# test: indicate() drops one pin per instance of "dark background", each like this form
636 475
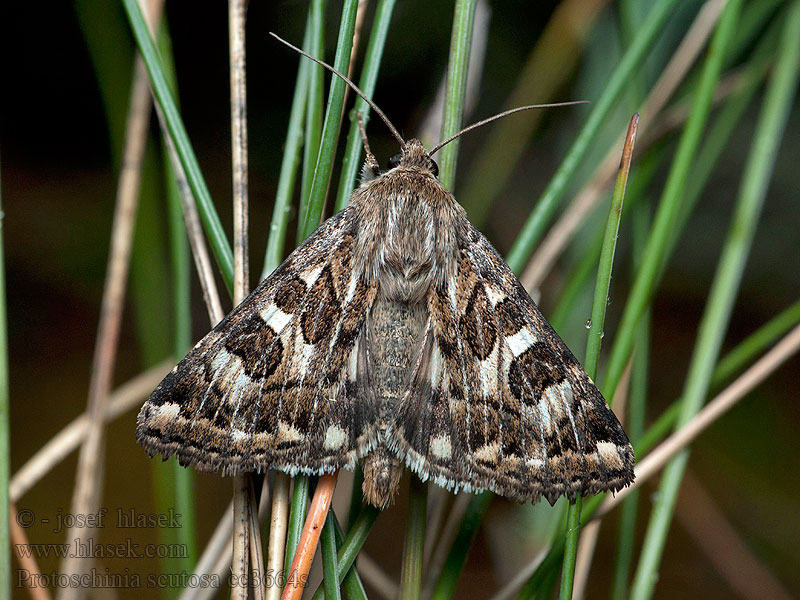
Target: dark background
58 176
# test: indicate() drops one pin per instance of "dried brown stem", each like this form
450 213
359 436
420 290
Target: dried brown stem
244 511
202 260
89 476
277 530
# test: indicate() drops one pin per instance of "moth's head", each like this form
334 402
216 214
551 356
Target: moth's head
413 154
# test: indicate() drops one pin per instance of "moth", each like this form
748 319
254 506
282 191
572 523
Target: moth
397 336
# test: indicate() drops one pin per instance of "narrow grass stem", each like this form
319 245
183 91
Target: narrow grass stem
333 116
289 165
213 226
297 516
330 561
414 543
369 76
671 200
89 476
350 547
758 169
596 335
313 130
549 200
456 87
351 583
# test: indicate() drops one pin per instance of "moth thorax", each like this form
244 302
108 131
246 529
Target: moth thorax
382 473
406 259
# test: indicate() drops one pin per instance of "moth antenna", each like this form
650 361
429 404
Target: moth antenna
352 85
500 116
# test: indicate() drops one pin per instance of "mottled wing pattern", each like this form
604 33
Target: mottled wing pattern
502 404
274 384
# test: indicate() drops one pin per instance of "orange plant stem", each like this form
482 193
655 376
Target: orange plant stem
307 546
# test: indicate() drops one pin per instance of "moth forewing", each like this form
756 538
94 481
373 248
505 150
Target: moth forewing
395 335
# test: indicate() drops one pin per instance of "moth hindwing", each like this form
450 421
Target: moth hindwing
395 335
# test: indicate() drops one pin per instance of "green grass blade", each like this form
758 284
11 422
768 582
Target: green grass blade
216 234
704 161
596 328
717 138
350 547
669 206
578 280
457 558
297 516
758 169
330 561
570 549
313 134
606 264
548 202
351 161
414 543
637 404
333 116
456 87
289 165
351 584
